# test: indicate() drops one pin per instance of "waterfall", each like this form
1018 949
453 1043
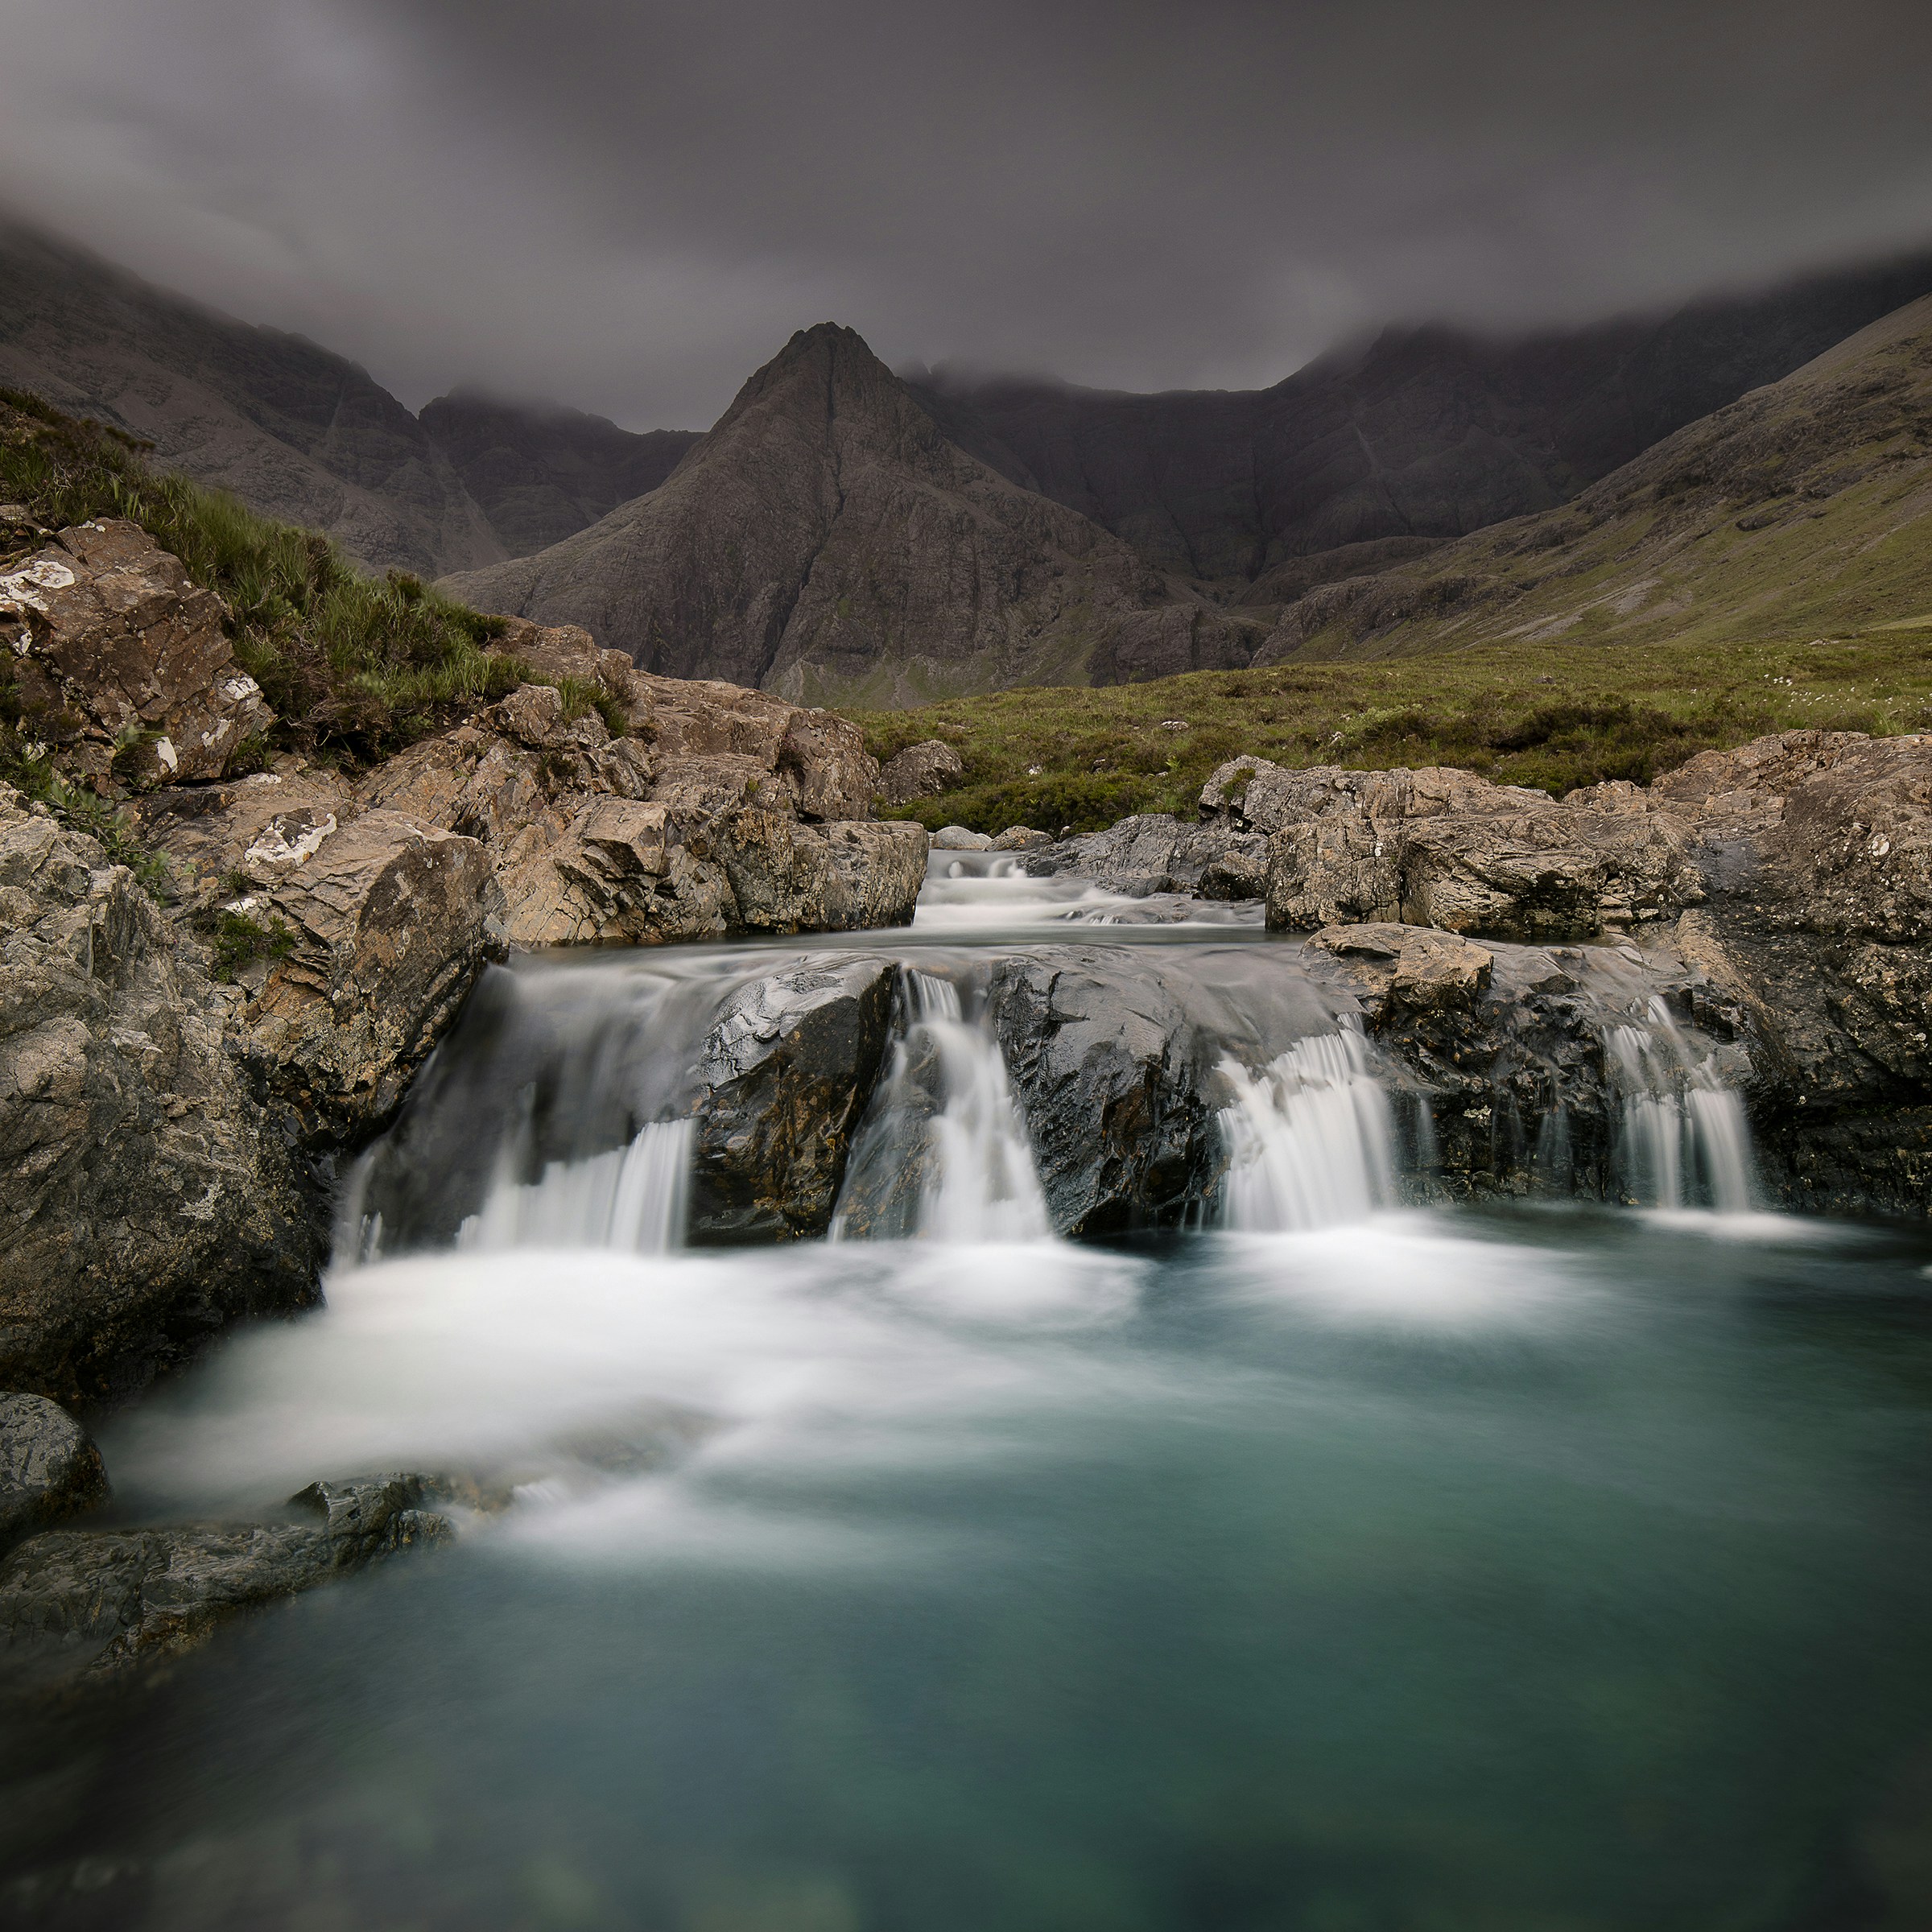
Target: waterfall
629 1198
943 1154
1684 1132
1308 1138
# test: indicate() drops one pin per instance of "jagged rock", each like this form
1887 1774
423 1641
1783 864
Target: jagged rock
91 1605
145 1200
387 923
1156 852
49 1468
880 866
920 771
826 539
784 1075
1426 970
959 838
1104 1066
567 650
1441 848
1020 838
121 660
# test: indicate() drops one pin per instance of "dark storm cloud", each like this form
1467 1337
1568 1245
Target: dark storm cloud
631 205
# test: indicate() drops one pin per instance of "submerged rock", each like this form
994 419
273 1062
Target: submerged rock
88 1605
49 1468
784 1075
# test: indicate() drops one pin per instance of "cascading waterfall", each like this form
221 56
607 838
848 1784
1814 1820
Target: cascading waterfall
630 1198
1309 1139
945 1155
1685 1137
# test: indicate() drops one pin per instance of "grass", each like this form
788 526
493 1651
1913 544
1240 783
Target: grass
355 666
1520 714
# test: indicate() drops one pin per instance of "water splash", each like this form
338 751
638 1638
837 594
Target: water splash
1309 1139
631 1199
1685 1138
944 1155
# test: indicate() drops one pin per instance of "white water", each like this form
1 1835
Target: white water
1309 1139
971 893
979 1183
1684 1134
630 1198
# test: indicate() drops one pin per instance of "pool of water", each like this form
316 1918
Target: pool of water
1554 1569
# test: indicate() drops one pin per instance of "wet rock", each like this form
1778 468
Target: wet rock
957 838
80 1605
784 1076
1153 852
881 865
1106 1068
116 651
1427 970
920 771
146 1197
387 925
49 1468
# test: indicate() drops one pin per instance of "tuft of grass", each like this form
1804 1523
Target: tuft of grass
239 941
1519 714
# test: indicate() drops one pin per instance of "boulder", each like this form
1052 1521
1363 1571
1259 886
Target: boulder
1426 970
783 1078
1105 1066
384 924
958 838
82 1604
1154 853
145 1198
920 771
121 660
1020 838
49 1468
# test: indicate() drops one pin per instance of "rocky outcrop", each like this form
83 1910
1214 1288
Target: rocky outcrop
783 1079
1103 1061
825 540
1155 853
49 1468
920 771
120 660
87 1605
147 1199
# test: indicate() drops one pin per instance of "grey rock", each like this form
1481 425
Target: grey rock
115 648
49 1468
783 1080
920 771
85 1605
1105 1065
958 838
1020 838
147 1197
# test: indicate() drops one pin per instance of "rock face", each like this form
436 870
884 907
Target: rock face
1103 1064
49 1468
145 1198
538 473
293 432
784 1077
920 771
91 1605
121 660
826 539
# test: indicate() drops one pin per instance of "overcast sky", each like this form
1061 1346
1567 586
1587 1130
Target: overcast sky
629 206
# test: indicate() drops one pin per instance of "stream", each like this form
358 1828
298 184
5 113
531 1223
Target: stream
1338 1562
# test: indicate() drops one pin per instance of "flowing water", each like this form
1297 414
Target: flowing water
1336 1564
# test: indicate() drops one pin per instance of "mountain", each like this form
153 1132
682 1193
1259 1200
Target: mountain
538 473
295 431
1802 509
1419 434
826 541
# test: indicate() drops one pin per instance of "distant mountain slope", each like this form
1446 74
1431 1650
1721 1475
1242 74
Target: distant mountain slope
825 540
1423 433
295 431
540 472
1804 508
